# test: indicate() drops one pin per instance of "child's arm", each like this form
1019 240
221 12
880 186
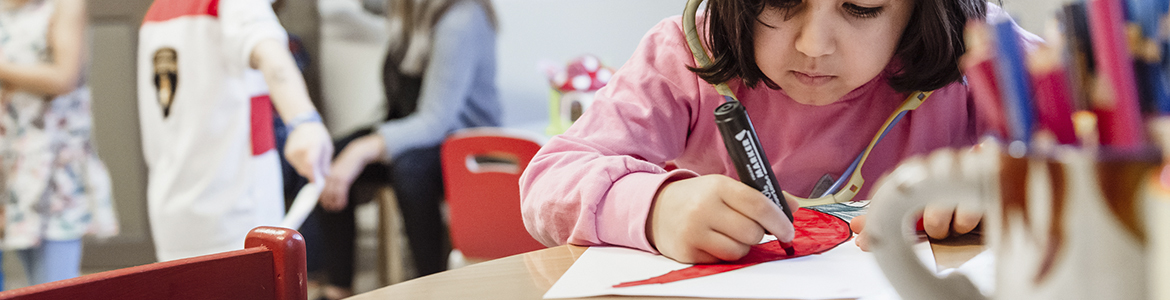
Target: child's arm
599 183
60 75
309 147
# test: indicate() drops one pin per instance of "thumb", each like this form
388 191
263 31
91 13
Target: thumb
857 224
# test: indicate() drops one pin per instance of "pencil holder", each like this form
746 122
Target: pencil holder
1073 223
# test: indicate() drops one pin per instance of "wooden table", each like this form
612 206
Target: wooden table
530 275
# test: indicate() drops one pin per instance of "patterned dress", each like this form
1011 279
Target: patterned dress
56 187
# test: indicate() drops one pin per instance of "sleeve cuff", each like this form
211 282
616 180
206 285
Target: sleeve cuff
394 141
621 217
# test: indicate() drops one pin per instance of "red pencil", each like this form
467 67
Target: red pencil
1053 98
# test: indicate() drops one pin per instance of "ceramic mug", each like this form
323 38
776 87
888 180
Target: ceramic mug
1073 224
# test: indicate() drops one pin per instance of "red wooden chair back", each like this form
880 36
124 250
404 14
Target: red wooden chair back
481 174
271 266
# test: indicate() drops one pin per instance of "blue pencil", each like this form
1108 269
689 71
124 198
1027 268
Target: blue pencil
1014 80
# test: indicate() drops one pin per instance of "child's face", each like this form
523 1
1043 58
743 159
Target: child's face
820 50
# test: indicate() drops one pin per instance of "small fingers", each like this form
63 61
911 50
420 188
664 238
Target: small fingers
967 217
937 220
738 227
309 151
310 166
857 224
722 247
754 205
862 241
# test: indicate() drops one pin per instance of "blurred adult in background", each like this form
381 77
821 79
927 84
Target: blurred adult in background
57 190
438 76
206 69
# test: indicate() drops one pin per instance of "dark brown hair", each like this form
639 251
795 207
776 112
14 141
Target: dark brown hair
929 49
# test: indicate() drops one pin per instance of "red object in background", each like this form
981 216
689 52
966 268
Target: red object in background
816 232
271 266
163 10
985 92
1054 103
263 134
481 171
582 74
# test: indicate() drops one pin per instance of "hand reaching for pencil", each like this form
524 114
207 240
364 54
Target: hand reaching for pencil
713 218
938 221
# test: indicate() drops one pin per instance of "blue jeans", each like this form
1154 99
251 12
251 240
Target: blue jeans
51 261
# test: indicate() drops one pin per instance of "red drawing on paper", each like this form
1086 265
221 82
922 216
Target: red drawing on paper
816 232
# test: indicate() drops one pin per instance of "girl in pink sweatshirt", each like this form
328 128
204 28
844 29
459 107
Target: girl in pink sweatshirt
818 78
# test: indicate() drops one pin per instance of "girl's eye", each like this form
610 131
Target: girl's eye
861 11
785 4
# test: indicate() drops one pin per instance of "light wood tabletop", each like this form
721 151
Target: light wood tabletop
530 275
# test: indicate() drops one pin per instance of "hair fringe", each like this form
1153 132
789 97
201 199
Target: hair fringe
929 49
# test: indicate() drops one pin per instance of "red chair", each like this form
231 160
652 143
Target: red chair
481 174
271 266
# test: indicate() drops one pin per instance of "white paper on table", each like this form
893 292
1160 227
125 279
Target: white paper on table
979 269
843 272
302 205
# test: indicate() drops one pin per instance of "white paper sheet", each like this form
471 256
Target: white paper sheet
844 272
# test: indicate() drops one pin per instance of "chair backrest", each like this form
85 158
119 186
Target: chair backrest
481 174
271 266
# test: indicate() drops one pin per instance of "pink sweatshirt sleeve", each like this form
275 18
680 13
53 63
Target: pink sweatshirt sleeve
595 184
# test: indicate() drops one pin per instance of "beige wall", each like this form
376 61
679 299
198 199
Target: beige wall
114 35
1033 14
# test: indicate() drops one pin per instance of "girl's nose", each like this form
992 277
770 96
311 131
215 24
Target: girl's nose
815 37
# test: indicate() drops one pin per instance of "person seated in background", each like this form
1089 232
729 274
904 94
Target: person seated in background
205 72
56 188
439 76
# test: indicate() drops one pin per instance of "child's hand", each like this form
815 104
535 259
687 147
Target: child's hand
938 221
713 218
309 150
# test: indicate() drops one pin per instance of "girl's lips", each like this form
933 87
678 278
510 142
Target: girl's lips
812 79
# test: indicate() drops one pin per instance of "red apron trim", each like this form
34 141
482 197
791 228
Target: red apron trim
263 137
163 10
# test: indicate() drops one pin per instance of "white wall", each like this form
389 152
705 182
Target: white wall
560 30
1033 15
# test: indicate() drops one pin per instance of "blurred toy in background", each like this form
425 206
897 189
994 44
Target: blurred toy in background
573 88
